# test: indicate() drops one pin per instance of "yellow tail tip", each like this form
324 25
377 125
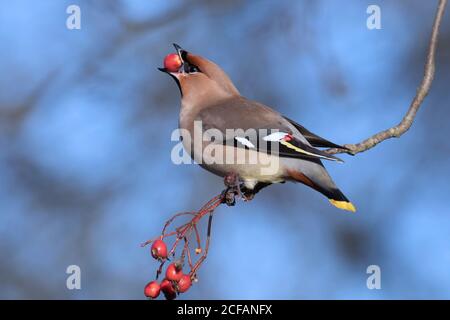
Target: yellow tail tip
344 205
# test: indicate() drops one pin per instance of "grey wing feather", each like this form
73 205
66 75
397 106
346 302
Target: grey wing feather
244 114
314 139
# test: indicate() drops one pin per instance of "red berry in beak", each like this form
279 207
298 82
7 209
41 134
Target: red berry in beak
152 290
159 250
174 272
172 62
168 289
184 284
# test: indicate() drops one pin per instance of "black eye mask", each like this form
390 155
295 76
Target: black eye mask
190 68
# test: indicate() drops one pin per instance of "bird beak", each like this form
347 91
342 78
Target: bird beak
182 54
180 51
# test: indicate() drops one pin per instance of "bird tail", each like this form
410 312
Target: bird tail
339 200
326 187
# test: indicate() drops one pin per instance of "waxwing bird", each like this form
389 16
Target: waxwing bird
236 130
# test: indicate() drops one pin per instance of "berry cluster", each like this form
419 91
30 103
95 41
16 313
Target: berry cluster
176 281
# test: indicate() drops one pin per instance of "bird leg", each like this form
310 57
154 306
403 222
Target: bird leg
237 189
231 179
232 190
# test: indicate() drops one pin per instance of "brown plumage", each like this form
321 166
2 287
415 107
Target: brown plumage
209 96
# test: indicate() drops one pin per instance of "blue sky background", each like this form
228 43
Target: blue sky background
85 169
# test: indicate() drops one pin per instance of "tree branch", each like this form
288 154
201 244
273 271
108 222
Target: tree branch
422 92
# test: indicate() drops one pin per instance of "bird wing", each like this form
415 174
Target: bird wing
251 125
314 139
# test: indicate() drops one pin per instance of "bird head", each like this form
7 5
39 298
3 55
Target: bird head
199 80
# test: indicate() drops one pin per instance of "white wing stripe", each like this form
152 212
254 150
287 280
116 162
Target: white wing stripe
245 142
276 136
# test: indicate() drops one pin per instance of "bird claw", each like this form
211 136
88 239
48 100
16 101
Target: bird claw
229 196
230 199
235 189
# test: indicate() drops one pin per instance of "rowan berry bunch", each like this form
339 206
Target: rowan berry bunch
176 280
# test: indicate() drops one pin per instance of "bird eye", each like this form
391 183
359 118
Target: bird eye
193 69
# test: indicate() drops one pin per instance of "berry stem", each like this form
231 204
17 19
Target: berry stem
199 262
185 231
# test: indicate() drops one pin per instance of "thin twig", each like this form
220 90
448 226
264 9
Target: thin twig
205 252
422 92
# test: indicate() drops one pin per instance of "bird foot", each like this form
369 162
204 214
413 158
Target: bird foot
233 189
229 197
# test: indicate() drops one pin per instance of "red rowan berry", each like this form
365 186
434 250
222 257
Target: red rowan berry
168 289
159 250
172 62
174 272
184 284
152 289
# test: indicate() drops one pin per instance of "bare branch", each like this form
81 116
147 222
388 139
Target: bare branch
422 92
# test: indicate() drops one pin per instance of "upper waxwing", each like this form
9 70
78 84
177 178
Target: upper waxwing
209 98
